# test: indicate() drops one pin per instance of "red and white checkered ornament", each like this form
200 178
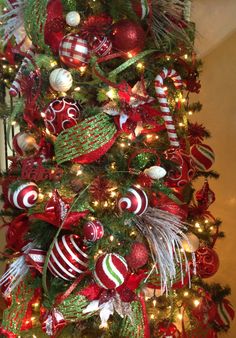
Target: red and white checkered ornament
68 258
224 314
73 51
93 231
100 45
135 201
61 114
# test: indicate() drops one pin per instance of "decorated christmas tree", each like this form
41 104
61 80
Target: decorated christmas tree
106 234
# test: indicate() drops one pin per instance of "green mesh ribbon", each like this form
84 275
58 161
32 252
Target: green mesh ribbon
14 315
35 15
133 328
72 308
85 137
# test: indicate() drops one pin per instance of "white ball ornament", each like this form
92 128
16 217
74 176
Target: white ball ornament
73 19
60 80
155 172
191 244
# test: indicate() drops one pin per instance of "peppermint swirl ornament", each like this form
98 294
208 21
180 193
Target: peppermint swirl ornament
110 271
23 195
135 201
68 258
93 231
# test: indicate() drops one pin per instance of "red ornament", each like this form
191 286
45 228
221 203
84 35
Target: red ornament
23 195
53 322
61 114
17 230
183 173
207 262
35 258
205 196
138 256
203 156
100 45
73 51
68 258
110 271
166 329
93 231
224 314
135 201
167 204
128 37
205 312
141 8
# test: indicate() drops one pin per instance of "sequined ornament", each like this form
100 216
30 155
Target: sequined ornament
73 18
23 143
183 171
100 45
141 8
203 156
93 231
110 271
128 36
138 256
224 314
23 195
135 201
207 262
68 258
73 51
60 80
61 114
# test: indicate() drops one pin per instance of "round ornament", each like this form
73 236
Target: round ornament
35 258
155 172
100 45
73 18
128 36
93 231
224 314
68 258
183 172
138 256
61 114
166 329
73 51
135 201
191 244
110 271
60 80
23 195
203 156
23 143
164 203
205 312
207 262
141 8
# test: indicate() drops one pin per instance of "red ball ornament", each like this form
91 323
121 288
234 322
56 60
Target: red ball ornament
100 45
93 231
203 156
73 51
138 256
35 258
166 329
111 271
24 142
183 173
128 37
23 195
61 114
68 258
207 262
135 201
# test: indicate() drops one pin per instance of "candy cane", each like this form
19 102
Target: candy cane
164 106
16 85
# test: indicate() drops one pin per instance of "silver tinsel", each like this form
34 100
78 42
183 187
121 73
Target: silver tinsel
164 233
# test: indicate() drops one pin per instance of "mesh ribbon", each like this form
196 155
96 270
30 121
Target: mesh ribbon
87 141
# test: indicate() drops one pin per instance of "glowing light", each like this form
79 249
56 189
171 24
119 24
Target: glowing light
152 316
186 56
140 66
53 63
122 145
111 238
95 203
197 225
111 93
82 69
100 252
77 89
154 303
50 194
180 316
43 115
190 113
181 124
186 294
196 302
13 123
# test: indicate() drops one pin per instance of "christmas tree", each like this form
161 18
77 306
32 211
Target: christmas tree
106 234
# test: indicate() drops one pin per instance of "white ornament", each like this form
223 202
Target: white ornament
155 172
73 19
60 80
190 243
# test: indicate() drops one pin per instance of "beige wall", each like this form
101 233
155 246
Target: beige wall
218 96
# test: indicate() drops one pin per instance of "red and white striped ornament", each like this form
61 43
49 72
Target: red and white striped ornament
16 85
141 8
110 271
23 142
224 314
100 45
35 258
93 230
23 195
135 201
203 156
73 51
164 106
68 258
